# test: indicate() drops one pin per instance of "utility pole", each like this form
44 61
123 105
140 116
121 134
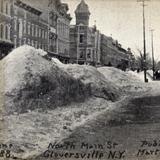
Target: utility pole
144 40
152 30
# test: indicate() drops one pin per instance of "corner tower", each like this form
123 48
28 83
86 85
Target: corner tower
82 14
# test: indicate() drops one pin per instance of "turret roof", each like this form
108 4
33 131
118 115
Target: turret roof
82 8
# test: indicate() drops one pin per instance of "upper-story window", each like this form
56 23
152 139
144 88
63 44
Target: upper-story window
36 44
1 31
24 40
32 43
39 34
33 33
15 41
89 53
81 54
15 23
28 42
15 10
25 15
1 5
46 35
20 27
29 28
81 38
36 30
24 26
20 42
6 9
6 32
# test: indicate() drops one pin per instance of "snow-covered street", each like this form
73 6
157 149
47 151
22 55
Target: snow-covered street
70 102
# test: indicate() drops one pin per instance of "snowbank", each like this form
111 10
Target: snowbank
129 81
100 86
32 81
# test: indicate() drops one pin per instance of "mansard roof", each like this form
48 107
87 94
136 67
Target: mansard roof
82 8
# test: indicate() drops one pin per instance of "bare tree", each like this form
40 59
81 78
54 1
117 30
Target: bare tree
140 60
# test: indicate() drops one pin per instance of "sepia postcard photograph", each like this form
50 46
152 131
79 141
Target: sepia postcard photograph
79 79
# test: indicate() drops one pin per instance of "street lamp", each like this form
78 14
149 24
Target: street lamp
144 39
152 30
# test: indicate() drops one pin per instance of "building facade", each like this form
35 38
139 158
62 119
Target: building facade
28 27
89 46
5 27
63 27
35 23
113 54
84 40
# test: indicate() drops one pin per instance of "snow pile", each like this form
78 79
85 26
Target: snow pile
32 82
41 52
118 76
35 82
41 128
57 62
129 81
100 87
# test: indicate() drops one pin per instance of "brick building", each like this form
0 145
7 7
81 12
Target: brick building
84 40
41 24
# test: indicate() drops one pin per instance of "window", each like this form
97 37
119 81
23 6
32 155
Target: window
32 43
25 15
15 23
81 55
20 27
81 38
36 30
28 42
6 32
24 26
24 41
20 42
15 10
39 35
44 34
1 6
9 32
89 54
33 33
29 28
36 44
15 41
7 9
1 31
